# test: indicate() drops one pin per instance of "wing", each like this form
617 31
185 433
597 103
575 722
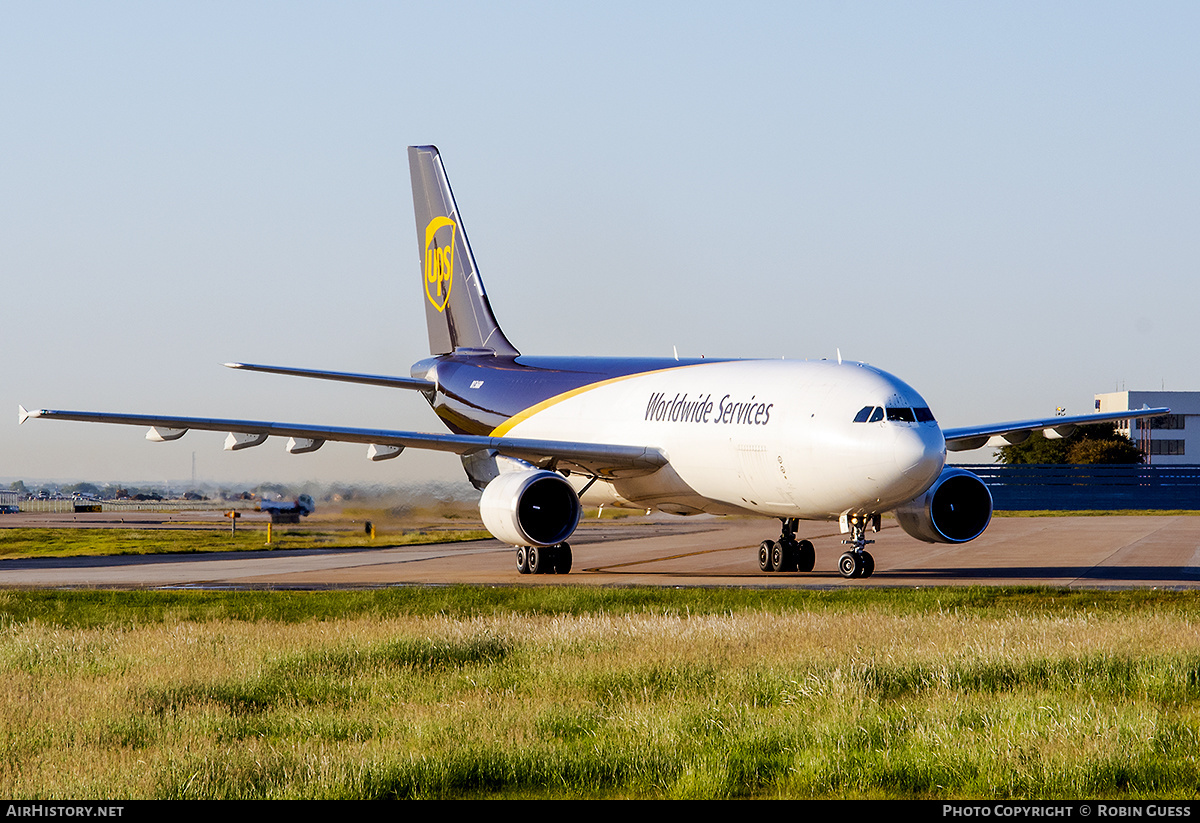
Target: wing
975 437
601 459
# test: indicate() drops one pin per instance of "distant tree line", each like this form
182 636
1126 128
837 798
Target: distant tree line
373 494
1099 443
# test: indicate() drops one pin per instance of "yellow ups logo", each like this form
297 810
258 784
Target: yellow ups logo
439 260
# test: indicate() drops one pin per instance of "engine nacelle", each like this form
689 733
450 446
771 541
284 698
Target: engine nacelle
530 508
956 509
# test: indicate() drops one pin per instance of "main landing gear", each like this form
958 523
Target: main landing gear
544 559
791 555
857 562
788 554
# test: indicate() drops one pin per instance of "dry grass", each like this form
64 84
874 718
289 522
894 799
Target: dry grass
864 700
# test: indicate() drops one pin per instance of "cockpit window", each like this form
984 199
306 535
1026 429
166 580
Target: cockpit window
897 414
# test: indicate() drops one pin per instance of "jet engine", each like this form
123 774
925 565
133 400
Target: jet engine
955 509
530 508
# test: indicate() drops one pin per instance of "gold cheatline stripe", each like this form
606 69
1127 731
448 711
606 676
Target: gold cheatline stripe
507 426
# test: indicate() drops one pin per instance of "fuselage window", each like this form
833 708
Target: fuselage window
901 415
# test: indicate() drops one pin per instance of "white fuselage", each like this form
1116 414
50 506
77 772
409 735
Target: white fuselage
769 437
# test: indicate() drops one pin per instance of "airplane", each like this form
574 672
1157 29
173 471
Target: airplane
540 437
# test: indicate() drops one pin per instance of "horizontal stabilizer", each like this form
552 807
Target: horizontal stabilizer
344 377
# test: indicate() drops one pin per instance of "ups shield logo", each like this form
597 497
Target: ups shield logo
439 260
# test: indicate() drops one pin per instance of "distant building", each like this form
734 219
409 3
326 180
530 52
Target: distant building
1170 440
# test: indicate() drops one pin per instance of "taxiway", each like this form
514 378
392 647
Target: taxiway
1096 552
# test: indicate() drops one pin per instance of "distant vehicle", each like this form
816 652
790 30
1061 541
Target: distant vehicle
10 509
284 512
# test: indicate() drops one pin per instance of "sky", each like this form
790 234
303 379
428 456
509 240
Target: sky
997 202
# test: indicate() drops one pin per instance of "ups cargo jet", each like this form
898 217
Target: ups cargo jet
541 436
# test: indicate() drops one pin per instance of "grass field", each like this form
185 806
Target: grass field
586 692
52 542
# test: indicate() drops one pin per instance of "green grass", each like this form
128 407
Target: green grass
51 542
449 692
85 609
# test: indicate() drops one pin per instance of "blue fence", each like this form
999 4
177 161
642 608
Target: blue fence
1080 487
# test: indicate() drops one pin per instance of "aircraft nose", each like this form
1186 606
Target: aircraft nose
920 452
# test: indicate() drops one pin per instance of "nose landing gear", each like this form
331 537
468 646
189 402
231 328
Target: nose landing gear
857 562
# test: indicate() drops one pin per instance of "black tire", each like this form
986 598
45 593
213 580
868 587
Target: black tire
791 557
537 560
562 558
522 560
779 557
764 555
806 556
868 565
850 565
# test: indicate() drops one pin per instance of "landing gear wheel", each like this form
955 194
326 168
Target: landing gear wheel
522 559
787 554
868 565
780 556
562 558
537 560
806 556
765 550
851 565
